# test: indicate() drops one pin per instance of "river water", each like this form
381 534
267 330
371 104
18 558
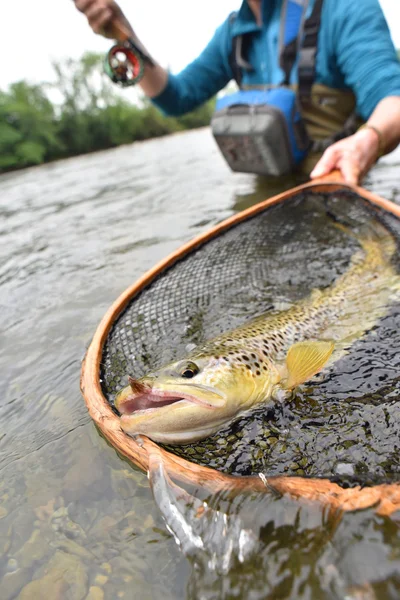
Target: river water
76 521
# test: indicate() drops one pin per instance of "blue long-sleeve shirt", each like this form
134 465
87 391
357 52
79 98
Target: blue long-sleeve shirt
355 52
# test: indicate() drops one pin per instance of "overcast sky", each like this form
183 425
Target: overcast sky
175 31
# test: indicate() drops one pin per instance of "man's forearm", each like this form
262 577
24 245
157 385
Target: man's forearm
154 80
386 118
155 77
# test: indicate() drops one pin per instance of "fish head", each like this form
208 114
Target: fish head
186 400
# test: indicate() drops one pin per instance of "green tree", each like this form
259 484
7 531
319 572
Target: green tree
28 131
85 94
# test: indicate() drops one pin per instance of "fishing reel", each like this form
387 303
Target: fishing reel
125 63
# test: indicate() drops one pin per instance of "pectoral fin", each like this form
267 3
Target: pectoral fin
304 360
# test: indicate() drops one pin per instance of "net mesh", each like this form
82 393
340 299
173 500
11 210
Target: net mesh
344 426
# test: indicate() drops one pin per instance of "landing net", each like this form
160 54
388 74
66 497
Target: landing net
344 427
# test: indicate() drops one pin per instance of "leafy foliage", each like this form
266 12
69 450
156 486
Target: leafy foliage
90 116
28 132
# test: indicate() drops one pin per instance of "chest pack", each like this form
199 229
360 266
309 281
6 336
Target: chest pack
262 131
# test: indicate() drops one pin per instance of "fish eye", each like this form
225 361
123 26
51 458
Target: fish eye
189 370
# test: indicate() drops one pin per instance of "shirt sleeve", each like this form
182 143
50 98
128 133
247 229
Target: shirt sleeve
365 53
201 79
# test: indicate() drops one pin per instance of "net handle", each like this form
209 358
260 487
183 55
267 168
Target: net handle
332 177
118 29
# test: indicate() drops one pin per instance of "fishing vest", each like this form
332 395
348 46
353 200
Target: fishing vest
327 114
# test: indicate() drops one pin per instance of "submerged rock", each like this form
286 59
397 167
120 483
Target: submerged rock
63 578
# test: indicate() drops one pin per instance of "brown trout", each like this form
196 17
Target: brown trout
264 359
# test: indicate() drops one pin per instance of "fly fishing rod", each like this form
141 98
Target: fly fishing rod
126 60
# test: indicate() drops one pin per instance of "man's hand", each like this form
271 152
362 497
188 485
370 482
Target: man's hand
353 156
101 14
106 18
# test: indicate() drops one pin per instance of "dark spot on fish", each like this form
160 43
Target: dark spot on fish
249 367
258 372
253 355
245 357
256 364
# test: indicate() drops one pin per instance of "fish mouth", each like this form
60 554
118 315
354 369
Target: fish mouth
150 401
139 398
